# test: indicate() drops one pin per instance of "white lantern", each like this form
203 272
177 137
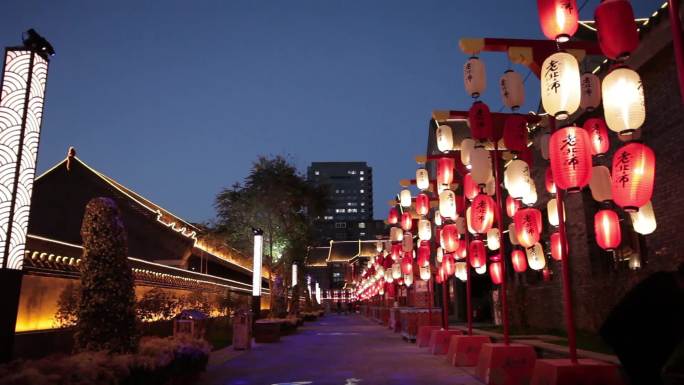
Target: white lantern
623 100
439 255
467 147
517 178
379 272
600 184
388 275
468 220
422 179
535 257
378 246
531 197
445 138
407 242
512 235
544 145
405 198
474 77
438 218
396 234
396 270
591 91
408 280
424 230
447 204
552 212
512 90
493 239
490 188
424 272
461 271
482 269
481 163
644 221
460 223
560 85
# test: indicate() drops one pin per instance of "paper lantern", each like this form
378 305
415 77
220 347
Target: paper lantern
556 247
408 279
379 246
467 147
469 221
407 242
448 264
393 216
480 121
396 270
607 229
644 221
482 213
461 225
424 273
519 261
447 204
560 85
449 238
623 100
462 250
422 179
439 255
558 18
406 221
424 230
474 77
405 198
515 133
616 28
590 86
512 89
600 184
512 234
445 171
552 212
470 188
544 145
445 138
496 272
517 178
461 271
548 181
481 270
396 234
493 239
633 174
530 198
422 204
598 134
535 257
528 226
388 275
477 255
397 249
570 154
512 206
423 254
481 166
407 264
439 276
438 218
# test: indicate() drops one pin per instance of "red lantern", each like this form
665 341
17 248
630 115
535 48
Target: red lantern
424 254
406 221
445 171
480 121
448 264
515 133
477 253
616 28
550 185
633 174
422 204
449 238
462 250
558 18
482 213
470 188
512 206
393 216
496 272
607 229
407 264
439 277
598 133
528 226
396 251
556 249
570 156
519 261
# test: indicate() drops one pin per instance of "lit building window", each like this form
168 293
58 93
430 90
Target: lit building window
361 172
317 172
362 225
363 204
362 191
361 178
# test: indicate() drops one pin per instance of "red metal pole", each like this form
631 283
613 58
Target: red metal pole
469 293
445 304
502 249
676 27
565 263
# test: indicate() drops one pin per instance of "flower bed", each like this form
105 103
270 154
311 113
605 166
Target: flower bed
159 361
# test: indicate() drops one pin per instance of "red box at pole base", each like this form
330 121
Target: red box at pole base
439 340
424 332
584 372
465 350
501 364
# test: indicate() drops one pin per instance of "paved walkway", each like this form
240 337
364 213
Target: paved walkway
336 350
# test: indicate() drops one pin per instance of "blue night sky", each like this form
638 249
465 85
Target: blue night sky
175 99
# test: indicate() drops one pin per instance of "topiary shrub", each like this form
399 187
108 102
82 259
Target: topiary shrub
106 309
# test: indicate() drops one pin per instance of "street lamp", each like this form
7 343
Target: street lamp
21 112
256 273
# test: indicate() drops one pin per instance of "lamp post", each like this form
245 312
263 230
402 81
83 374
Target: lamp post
256 273
21 107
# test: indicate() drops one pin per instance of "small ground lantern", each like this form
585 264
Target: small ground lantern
422 179
617 31
633 175
512 90
190 322
570 155
560 85
496 272
590 98
623 100
607 229
482 213
515 132
477 253
480 120
528 226
519 261
517 178
474 76
558 18
445 138
644 221
598 134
